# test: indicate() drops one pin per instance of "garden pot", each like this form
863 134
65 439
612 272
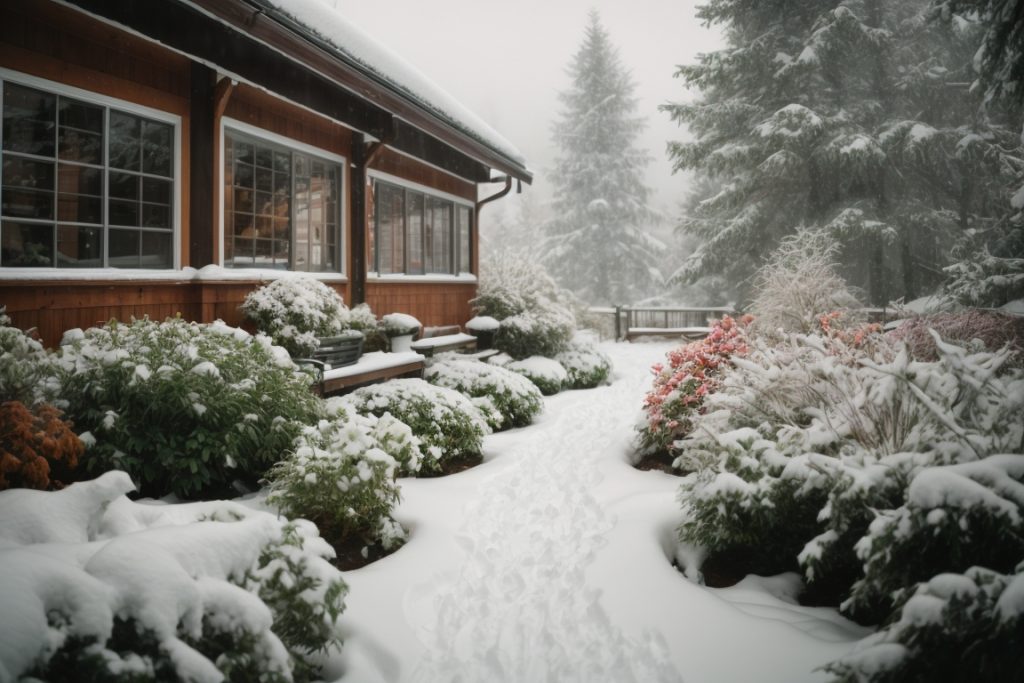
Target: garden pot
401 343
484 339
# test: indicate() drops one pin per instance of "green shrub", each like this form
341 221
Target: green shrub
26 369
184 408
548 374
295 311
446 422
586 366
515 399
965 628
342 477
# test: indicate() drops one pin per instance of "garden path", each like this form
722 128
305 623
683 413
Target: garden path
552 562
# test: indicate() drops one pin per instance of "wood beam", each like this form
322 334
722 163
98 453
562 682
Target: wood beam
357 222
202 159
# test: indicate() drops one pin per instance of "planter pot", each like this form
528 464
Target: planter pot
484 339
340 351
402 342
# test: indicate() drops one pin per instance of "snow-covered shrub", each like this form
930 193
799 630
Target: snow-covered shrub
183 407
515 399
128 591
397 324
844 435
547 373
535 315
954 517
586 366
679 388
981 278
448 425
295 311
38 449
26 372
342 477
966 628
800 283
992 330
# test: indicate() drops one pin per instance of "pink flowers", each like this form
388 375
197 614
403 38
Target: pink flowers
692 373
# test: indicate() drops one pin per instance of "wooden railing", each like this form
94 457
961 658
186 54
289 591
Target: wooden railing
637 321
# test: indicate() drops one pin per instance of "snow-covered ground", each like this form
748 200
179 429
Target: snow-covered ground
551 561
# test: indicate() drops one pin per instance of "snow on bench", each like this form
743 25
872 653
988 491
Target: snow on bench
371 367
446 342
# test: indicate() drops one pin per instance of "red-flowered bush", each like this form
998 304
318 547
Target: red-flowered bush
36 446
679 389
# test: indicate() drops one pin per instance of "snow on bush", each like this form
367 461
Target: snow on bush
38 448
954 517
799 284
184 408
26 372
396 324
679 389
341 476
981 278
295 311
447 423
514 398
807 445
483 323
989 329
955 627
107 589
547 373
535 316
586 366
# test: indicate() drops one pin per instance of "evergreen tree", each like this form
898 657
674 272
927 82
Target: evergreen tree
596 244
854 116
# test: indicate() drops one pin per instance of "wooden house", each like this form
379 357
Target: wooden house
166 157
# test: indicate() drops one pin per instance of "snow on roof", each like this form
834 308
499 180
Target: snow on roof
323 19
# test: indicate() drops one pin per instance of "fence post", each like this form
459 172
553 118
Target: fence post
618 323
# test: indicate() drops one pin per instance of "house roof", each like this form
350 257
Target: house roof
324 24
305 52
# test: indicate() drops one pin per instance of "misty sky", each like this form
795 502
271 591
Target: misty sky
506 61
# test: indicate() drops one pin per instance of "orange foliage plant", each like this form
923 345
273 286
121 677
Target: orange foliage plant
36 446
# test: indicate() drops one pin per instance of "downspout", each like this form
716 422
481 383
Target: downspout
497 195
363 155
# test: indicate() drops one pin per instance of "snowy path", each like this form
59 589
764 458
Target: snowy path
550 562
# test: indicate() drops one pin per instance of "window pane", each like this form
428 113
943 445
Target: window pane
78 208
79 247
23 245
125 141
156 250
124 185
465 244
80 135
264 179
156 216
415 233
244 175
156 191
29 120
157 149
244 225
390 228
440 235
27 188
124 249
301 257
264 157
243 251
80 180
244 152
123 213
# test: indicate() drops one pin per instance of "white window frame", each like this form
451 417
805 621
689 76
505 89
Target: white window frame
374 276
130 108
229 124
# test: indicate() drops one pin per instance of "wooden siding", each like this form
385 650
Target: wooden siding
389 161
432 303
55 307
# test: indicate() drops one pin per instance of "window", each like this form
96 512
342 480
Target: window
83 185
417 233
281 207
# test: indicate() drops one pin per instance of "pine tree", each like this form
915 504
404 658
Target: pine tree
596 244
854 116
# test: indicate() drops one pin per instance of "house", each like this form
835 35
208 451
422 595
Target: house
167 157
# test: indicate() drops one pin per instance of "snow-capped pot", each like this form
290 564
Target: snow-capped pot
483 327
400 329
296 311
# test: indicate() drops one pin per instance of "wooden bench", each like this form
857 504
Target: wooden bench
446 342
371 368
